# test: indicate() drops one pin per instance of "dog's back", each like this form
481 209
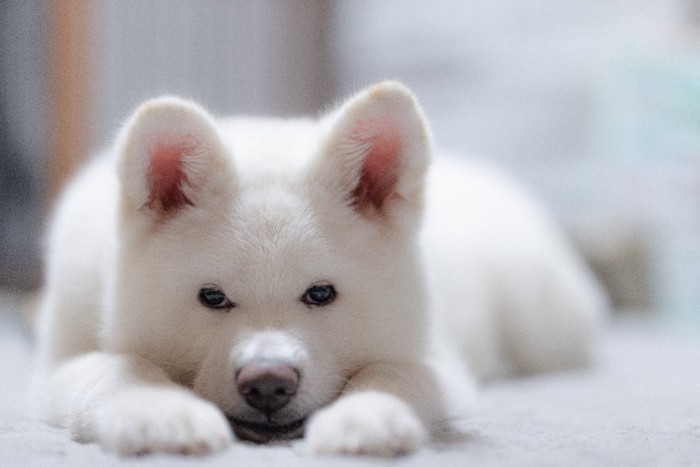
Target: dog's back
507 291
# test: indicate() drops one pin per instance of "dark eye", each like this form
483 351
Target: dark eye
212 297
319 295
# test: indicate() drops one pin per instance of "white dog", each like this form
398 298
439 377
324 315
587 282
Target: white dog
280 278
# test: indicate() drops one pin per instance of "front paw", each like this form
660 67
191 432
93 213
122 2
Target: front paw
367 423
160 420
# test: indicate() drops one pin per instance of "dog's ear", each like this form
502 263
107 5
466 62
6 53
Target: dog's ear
377 150
171 157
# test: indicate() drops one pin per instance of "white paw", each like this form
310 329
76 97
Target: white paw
368 423
160 420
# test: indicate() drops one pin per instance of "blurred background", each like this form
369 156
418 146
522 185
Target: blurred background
593 104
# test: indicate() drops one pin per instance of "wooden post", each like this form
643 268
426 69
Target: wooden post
68 90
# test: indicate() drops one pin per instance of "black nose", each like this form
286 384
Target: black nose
267 385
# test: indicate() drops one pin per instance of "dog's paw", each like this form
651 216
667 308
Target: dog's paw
367 423
149 420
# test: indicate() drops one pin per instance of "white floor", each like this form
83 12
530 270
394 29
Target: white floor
640 406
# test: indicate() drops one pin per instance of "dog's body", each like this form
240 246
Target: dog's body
276 276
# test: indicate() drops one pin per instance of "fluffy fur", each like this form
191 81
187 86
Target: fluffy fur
263 211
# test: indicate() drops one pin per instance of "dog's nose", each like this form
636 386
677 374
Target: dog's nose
267 385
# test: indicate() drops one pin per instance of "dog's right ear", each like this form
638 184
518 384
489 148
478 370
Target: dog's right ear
376 152
170 158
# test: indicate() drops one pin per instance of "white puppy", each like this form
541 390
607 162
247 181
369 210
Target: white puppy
273 278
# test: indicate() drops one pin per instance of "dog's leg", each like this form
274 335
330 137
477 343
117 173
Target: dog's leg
129 406
384 411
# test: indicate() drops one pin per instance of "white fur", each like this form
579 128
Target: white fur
129 358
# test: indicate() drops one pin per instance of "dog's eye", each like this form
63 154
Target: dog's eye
319 295
212 297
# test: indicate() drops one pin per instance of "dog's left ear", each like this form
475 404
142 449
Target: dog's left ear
377 151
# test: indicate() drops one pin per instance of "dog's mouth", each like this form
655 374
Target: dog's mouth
261 432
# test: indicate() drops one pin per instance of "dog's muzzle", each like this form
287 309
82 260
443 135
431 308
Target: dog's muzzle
267 386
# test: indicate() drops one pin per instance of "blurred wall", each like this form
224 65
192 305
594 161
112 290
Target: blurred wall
233 56
594 104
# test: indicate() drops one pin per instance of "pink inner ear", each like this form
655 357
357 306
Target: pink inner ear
380 170
166 175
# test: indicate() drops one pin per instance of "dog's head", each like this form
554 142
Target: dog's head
262 262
